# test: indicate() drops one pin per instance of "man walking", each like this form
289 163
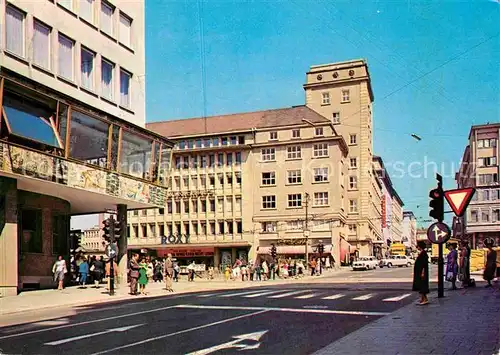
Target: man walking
134 273
169 273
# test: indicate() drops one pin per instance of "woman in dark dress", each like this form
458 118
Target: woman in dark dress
491 264
421 274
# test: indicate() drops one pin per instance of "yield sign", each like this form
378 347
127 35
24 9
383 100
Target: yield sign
459 199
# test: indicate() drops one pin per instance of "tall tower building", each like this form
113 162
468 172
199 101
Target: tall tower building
342 92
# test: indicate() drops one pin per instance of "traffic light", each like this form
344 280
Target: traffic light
273 251
107 229
117 229
437 201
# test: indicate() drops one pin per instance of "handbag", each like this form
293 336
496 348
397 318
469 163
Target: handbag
449 276
92 268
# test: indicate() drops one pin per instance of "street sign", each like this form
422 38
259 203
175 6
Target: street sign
438 233
111 250
459 199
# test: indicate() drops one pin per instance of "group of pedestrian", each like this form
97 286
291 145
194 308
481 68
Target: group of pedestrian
457 267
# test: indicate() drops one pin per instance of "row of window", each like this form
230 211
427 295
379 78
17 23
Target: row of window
102 14
201 181
221 204
210 142
295 225
487 179
318 132
320 150
89 61
197 228
487 161
486 195
295 200
486 215
487 143
345 96
204 161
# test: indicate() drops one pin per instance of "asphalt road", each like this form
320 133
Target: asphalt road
291 319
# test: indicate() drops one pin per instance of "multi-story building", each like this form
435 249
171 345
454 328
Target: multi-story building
480 169
92 239
72 136
245 181
392 206
409 237
342 92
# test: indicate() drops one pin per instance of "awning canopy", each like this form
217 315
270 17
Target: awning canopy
294 249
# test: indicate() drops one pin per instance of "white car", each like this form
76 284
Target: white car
397 260
365 263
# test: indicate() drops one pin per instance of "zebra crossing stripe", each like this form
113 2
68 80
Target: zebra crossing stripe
398 298
363 298
333 297
262 294
241 293
310 295
288 294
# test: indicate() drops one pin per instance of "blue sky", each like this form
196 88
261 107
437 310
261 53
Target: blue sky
434 67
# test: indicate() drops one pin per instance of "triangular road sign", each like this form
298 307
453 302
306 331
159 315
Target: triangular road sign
459 199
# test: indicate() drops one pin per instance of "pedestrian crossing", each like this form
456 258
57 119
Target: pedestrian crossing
308 294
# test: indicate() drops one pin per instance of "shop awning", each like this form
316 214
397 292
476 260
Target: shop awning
294 249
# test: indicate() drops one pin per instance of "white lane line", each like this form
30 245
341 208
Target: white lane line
208 295
242 293
262 294
364 297
333 297
277 309
180 332
86 322
288 294
304 297
398 298
80 337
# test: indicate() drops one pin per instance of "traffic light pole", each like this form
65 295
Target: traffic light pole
440 246
111 259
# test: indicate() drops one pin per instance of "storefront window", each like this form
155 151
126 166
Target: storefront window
135 155
31 119
88 139
31 231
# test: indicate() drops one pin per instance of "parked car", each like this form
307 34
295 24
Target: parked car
397 260
365 263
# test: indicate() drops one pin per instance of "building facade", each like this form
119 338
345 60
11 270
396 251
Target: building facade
392 207
480 169
72 136
243 182
409 237
342 92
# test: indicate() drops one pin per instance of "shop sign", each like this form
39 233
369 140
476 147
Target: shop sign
175 239
300 241
186 253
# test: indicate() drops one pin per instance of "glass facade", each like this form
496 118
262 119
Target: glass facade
32 119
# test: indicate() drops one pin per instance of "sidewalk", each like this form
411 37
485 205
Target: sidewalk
75 296
463 322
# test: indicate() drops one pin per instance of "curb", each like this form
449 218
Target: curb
116 298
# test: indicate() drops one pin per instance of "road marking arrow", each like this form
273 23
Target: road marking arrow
234 343
68 340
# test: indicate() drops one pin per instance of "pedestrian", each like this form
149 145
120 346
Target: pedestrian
143 276
134 273
490 264
150 269
169 273
313 265
158 271
452 265
108 272
421 274
59 270
83 270
227 272
98 271
191 268
464 264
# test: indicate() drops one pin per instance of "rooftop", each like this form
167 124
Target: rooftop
237 122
